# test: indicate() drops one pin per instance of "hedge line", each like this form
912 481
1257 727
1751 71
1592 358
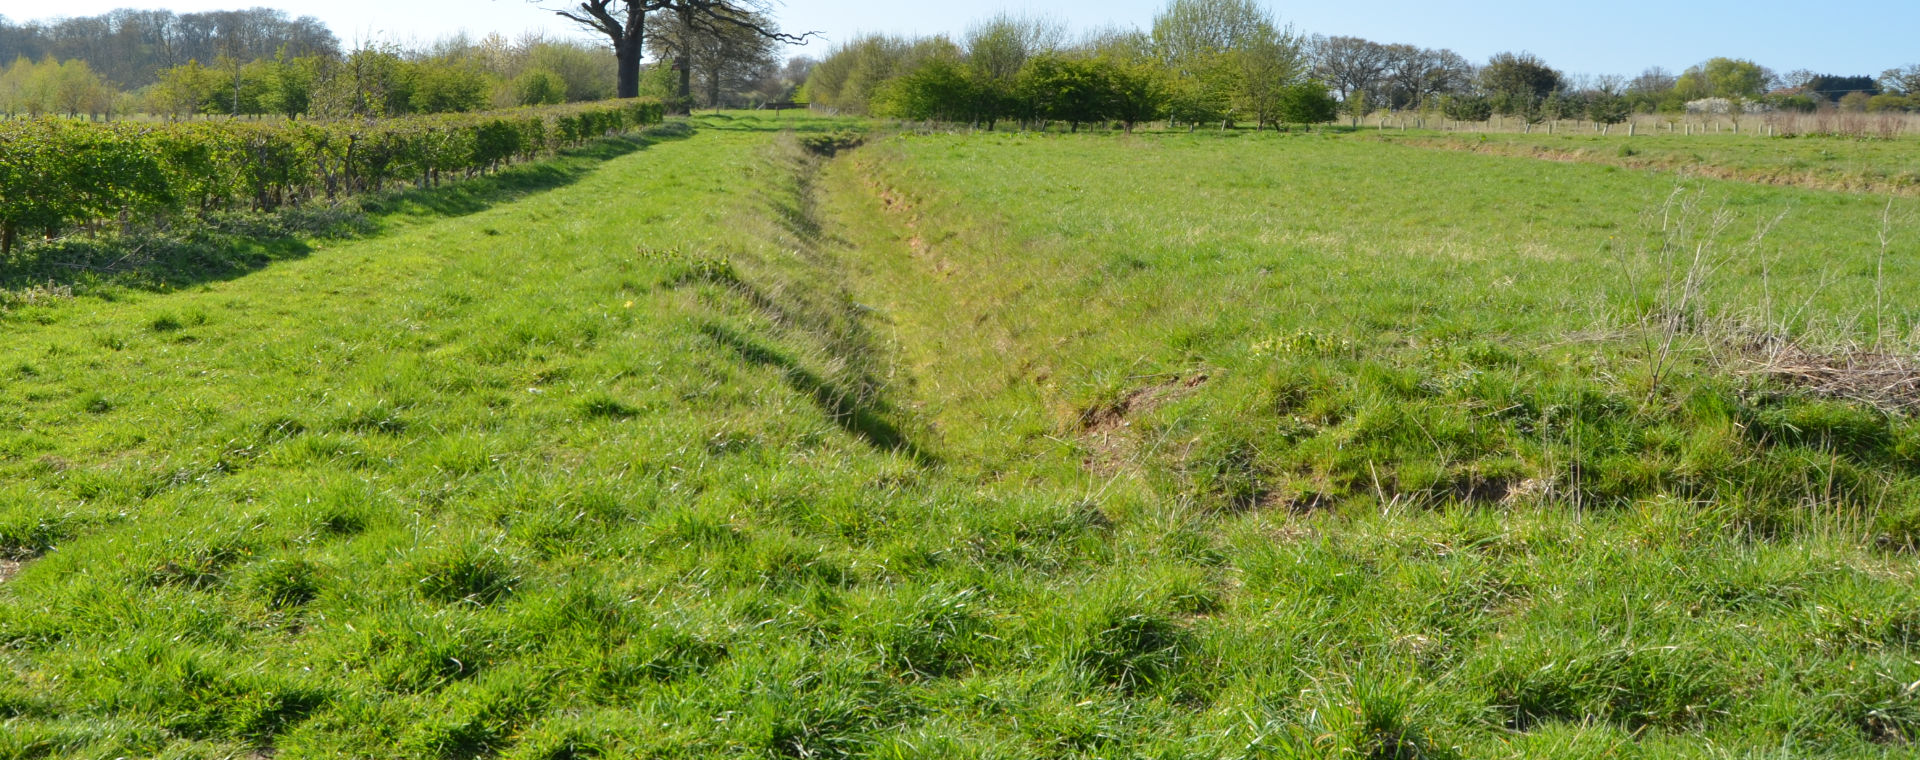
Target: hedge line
56 175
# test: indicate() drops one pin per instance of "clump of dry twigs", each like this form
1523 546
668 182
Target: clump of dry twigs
1886 380
1672 279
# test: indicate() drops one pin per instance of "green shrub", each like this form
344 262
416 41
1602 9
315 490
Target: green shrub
56 175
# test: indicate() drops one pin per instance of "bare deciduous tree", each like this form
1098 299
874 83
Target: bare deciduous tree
1350 64
624 22
1415 74
726 59
1653 81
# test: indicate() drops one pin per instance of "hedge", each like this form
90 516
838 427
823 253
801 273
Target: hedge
57 175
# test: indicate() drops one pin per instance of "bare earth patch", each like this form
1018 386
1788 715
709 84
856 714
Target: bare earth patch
1108 429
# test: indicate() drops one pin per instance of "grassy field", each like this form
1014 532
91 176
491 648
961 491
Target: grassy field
1829 163
782 440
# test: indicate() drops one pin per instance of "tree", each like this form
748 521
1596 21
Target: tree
1797 79
444 86
1138 90
1724 78
1357 106
1904 80
782 84
1419 74
939 89
369 82
539 87
1000 46
130 48
850 76
1351 65
585 72
290 85
719 19
624 22
1645 93
1519 76
1833 88
1306 103
1793 102
1466 107
1118 43
13 86
1530 110
77 90
1653 81
1197 100
1608 109
1562 105
1190 34
724 58
1892 103
1062 88
1268 61
182 90
1226 56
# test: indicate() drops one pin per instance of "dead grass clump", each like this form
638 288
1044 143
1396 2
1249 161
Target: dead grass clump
1886 381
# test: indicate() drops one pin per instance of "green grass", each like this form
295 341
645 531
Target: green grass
1821 162
765 445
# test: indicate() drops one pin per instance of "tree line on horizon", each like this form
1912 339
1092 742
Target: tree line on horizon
453 76
260 62
1200 62
1219 61
1203 62
129 48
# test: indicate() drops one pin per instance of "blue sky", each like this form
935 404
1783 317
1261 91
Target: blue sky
1601 37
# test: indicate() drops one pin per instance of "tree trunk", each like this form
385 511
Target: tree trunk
685 59
685 63
627 67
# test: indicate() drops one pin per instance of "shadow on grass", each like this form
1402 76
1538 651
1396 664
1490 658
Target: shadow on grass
519 181
861 417
177 253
